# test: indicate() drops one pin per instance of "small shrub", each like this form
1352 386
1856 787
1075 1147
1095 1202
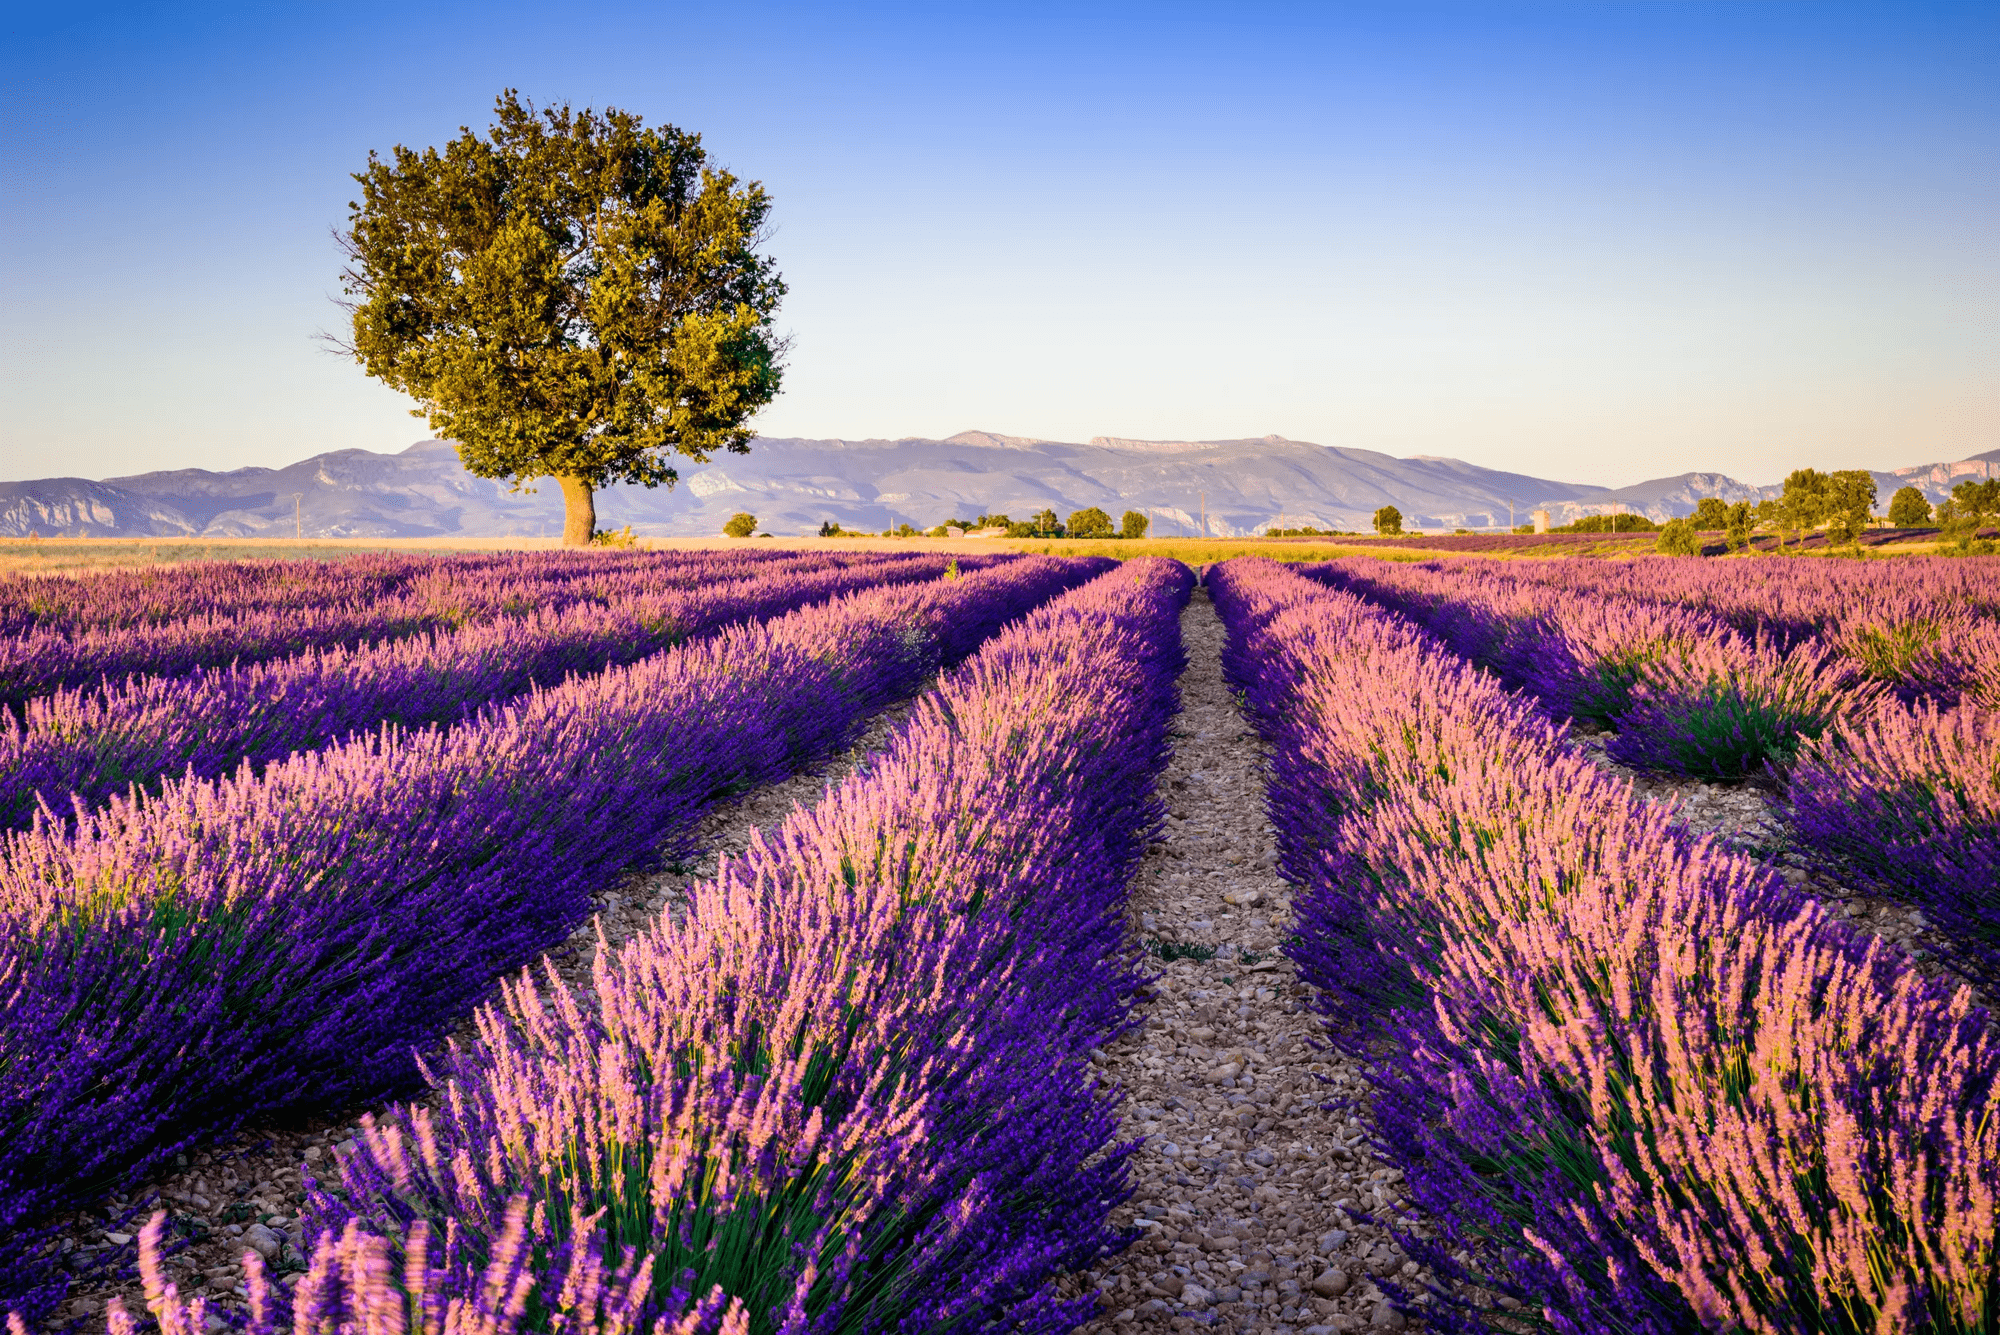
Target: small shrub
1679 538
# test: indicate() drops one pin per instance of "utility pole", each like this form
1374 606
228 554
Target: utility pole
1204 513
298 516
1510 514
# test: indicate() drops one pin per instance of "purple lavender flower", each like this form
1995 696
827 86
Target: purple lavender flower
849 1087
1644 1085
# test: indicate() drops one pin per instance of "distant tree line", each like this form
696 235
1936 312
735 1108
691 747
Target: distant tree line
1090 522
1841 504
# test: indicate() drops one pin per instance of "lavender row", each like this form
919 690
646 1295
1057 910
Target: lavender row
847 1090
175 965
1925 628
158 595
43 659
1901 796
1688 693
1645 1086
76 748
1906 801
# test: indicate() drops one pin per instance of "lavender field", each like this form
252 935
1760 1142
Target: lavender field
1337 978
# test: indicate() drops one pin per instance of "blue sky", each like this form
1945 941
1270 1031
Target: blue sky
1601 242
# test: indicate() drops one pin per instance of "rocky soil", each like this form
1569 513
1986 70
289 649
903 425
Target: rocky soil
1244 1182
246 1193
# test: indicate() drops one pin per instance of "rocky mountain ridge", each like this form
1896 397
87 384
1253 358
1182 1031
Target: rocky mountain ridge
1230 487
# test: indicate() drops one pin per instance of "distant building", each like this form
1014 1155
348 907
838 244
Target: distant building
1541 518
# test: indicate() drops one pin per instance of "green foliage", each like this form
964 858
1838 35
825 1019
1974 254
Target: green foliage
622 537
1909 508
1710 513
1741 520
1847 500
1618 523
993 521
907 531
1089 522
1134 525
1973 505
576 296
1179 950
1388 521
1804 501
740 525
1043 525
1680 538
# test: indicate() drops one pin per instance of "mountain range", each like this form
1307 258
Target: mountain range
1234 487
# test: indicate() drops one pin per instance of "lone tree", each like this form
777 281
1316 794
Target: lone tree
1388 521
741 525
1134 525
1849 500
1909 508
576 296
1089 522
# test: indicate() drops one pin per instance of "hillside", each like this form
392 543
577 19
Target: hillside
793 485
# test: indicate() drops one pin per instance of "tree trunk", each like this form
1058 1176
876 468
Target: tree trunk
579 511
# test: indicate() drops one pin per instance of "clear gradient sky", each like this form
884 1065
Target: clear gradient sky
1601 242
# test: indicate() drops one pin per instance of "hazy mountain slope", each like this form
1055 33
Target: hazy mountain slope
792 486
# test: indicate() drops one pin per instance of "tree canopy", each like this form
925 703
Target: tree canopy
575 296
1711 512
1089 522
1971 506
1388 520
1680 537
1909 508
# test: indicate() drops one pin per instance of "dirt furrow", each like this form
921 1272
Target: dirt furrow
1244 1182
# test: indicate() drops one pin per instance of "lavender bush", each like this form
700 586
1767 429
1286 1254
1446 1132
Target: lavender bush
157 596
847 1090
78 748
1688 692
175 964
1908 801
1644 1085
1726 708
437 596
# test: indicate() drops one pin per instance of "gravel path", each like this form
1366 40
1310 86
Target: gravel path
247 1192
1244 1181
